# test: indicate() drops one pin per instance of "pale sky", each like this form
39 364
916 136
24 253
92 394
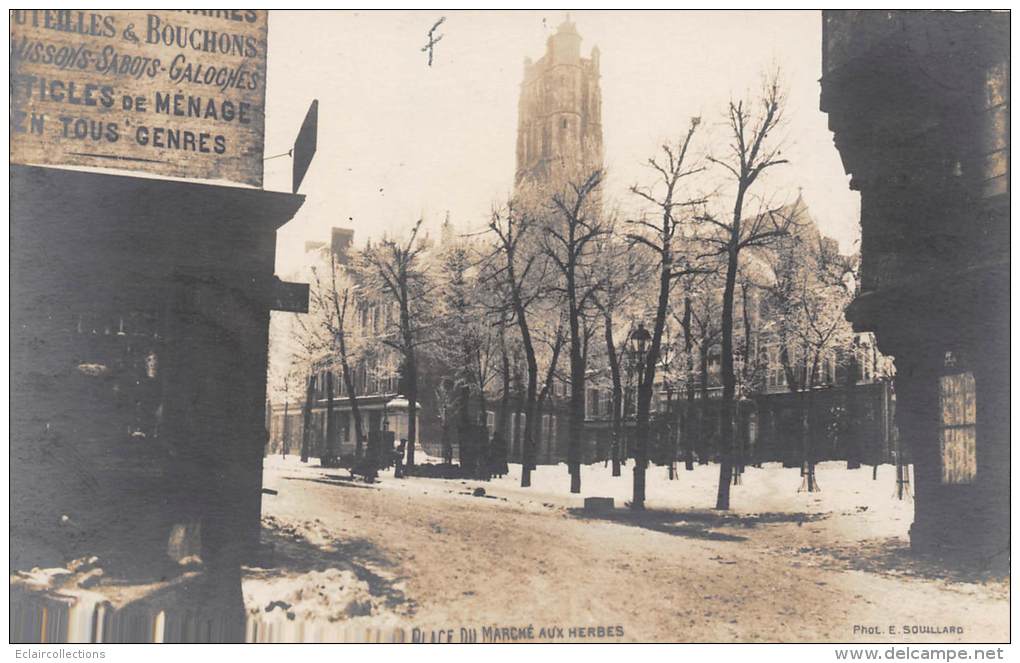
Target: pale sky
398 139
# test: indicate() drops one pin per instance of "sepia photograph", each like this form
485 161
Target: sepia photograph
451 326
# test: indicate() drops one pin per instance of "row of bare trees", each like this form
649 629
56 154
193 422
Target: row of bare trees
548 293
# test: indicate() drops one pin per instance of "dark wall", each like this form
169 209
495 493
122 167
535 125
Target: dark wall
139 332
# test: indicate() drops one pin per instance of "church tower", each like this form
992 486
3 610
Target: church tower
559 130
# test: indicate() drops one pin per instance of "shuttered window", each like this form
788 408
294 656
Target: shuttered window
958 428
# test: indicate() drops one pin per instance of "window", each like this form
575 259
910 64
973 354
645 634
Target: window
864 361
563 123
958 427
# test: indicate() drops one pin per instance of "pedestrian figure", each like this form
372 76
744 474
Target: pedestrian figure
497 455
484 464
398 460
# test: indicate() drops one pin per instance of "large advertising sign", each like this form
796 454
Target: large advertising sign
170 92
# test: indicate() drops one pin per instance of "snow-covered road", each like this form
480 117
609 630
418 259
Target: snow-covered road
426 558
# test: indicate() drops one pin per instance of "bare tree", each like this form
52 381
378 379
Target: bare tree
623 270
397 270
324 338
753 150
340 303
666 238
514 266
569 241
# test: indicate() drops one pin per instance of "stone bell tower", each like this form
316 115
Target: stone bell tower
559 130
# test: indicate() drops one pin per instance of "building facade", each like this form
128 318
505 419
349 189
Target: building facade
314 416
919 106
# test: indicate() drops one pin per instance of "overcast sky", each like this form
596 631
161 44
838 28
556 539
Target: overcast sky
398 139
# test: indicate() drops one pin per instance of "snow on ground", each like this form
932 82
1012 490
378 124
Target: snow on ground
771 489
356 561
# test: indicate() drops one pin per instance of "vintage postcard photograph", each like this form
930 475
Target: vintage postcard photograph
510 327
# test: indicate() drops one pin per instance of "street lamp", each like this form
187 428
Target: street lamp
639 344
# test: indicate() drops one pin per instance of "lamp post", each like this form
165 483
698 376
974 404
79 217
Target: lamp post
639 346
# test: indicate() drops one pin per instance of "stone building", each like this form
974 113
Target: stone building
559 128
315 418
919 106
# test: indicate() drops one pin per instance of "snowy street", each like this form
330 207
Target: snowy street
415 558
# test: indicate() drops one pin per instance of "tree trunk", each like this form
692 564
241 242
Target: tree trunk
576 380
688 430
307 428
285 432
412 409
504 401
483 410
517 441
410 374
532 388
671 431
269 427
468 440
810 483
728 376
647 377
703 420
807 467
543 396
614 370
448 444
576 411
854 451
497 445
359 433
539 415
746 378
330 421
